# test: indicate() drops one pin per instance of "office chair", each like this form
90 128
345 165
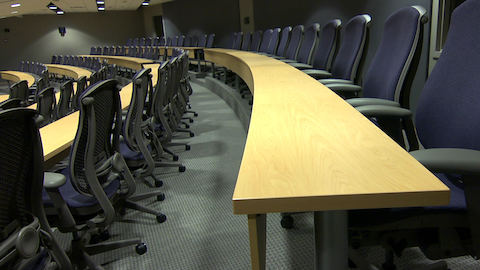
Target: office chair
401 34
188 41
21 91
81 87
386 79
81 198
237 43
140 146
41 84
325 49
162 41
256 40
46 105
142 42
307 45
10 104
169 41
202 41
447 128
181 40
129 41
210 40
64 102
280 49
246 41
27 241
267 38
296 36
54 57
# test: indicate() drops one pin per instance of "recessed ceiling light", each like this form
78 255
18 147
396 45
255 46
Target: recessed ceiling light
145 3
52 7
14 12
15 5
101 8
60 12
100 2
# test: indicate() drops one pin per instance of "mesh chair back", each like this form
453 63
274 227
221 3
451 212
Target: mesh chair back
81 87
181 41
64 102
210 40
159 95
256 39
295 42
202 41
310 39
10 104
162 41
20 90
97 134
284 40
392 61
446 115
129 42
149 41
327 45
133 120
238 41
188 41
142 42
267 37
46 105
246 41
135 42
21 167
345 65
274 42
54 58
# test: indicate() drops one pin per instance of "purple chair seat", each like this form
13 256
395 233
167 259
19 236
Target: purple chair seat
75 199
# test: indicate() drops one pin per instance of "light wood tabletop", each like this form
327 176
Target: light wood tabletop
123 61
308 150
58 136
16 76
69 71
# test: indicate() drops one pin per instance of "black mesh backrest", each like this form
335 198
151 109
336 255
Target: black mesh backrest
188 41
256 40
238 41
20 90
159 95
162 41
66 92
210 40
202 41
21 162
247 37
133 120
181 40
10 104
81 87
267 37
97 134
46 105
135 42
326 45
355 33
169 41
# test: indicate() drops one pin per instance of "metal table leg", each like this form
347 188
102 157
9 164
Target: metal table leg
331 240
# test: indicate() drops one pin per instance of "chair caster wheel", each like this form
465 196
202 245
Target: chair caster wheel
287 222
187 147
141 249
160 197
192 134
158 183
190 120
181 168
175 158
195 114
161 218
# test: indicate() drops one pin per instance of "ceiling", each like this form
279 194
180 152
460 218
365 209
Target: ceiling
40 6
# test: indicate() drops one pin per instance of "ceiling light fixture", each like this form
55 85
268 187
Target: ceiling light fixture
60 12
146 3
15 5
14 12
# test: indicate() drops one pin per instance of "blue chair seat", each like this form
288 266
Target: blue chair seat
129 154
75 199
380 216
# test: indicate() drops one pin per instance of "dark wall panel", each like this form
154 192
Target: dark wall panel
275 13
36 37
194 17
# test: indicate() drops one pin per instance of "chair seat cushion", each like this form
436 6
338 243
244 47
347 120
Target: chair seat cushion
75 199
381 216
128 153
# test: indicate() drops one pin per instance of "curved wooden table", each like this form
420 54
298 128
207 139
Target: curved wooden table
58 136
308 150
16 76
124 61
69 71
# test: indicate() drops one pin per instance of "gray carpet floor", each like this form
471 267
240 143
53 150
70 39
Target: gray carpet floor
201 232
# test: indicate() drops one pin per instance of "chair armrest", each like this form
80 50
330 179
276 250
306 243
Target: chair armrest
317 73
356 102
52 182
383 111
300 66
331 81
449 160
345 88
